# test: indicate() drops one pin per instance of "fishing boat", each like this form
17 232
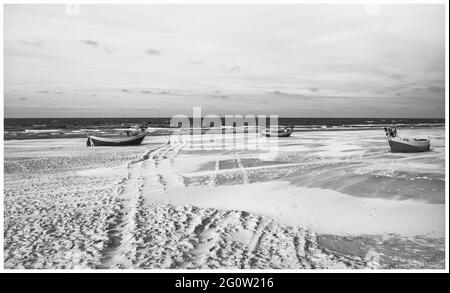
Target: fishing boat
405 145
280 131
134 139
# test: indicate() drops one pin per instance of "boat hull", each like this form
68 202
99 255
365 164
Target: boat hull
108 141
285 134
279 133
409 145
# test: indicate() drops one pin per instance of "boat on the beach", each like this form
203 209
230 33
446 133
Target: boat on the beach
405 145
280 131
124 140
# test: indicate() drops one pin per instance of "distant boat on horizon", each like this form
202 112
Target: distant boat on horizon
280 131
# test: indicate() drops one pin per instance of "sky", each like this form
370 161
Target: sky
287 60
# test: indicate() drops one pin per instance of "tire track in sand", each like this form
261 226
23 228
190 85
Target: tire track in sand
241 167
165 158
213 176
209 233
189 237
248 261
119 252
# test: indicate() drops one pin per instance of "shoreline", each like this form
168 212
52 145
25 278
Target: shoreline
164 131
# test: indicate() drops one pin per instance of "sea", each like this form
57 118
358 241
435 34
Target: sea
41 128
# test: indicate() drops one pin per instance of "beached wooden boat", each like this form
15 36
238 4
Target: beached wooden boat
116 140
280 131
406 145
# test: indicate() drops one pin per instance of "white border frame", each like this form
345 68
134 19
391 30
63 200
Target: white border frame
218 271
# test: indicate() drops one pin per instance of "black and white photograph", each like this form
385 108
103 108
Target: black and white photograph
290 137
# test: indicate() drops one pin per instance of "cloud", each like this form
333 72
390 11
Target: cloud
436 89
95 44
125 91
47 92
277 92
38 43
280 93
395 76
258 50
163 92
219 96
167 93
108 50
22 99
433 88
90 43
153 52
233 68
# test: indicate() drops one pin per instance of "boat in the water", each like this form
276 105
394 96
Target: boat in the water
133 139
405 145
280 131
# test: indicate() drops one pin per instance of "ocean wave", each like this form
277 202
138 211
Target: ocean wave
42 130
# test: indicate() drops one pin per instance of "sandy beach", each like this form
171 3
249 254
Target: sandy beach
334 199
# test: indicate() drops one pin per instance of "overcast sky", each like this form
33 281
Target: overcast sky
161 60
